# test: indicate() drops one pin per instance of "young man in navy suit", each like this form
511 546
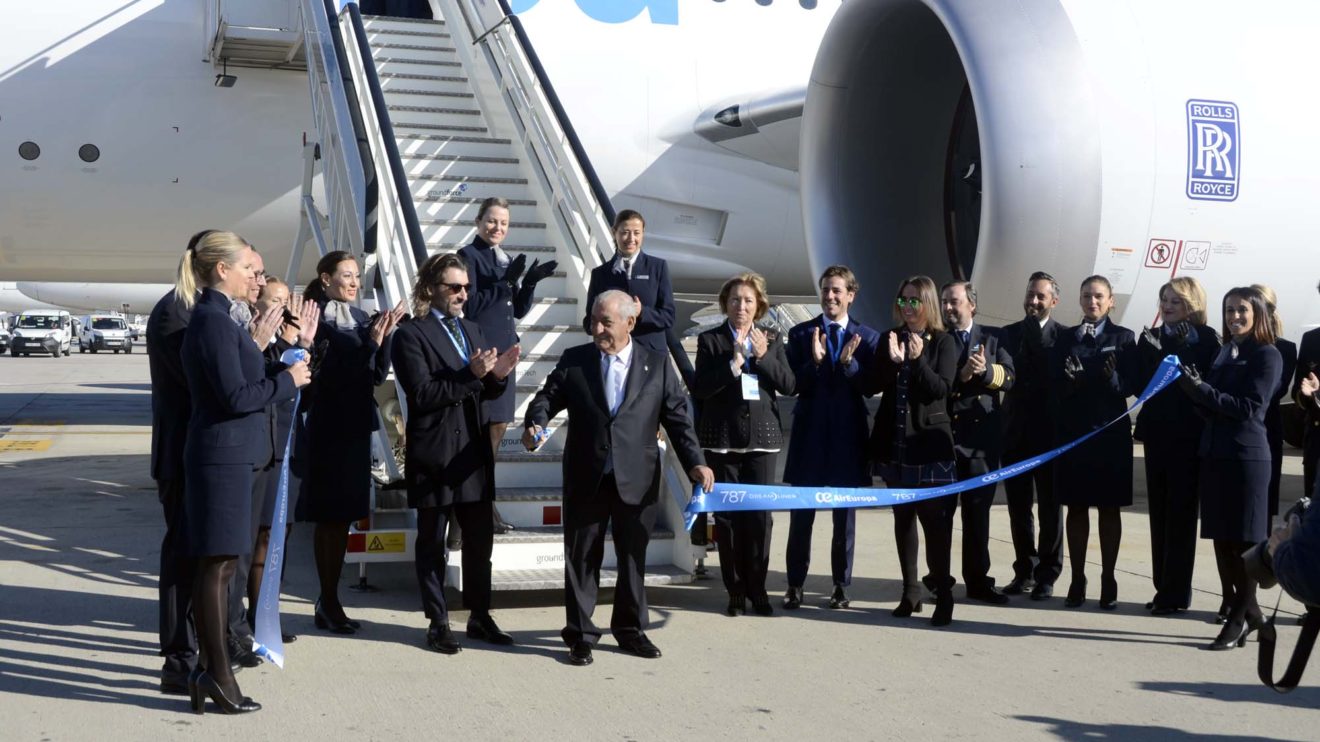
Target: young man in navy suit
830 356
984 370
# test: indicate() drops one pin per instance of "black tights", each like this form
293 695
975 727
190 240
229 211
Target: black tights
211 616
258 568
330 543
1240 590
1078 526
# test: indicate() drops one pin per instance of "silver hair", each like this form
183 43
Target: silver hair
627 307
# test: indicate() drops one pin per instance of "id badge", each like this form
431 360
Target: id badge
751 388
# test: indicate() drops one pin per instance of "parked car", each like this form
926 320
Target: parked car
4 339
42 331
99 332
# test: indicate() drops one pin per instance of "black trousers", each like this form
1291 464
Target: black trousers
178 635
842 541
1171 488
585 520
1043 560
975 508
743 538
1310 459
478 523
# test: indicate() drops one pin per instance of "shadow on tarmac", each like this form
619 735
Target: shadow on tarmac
1071 730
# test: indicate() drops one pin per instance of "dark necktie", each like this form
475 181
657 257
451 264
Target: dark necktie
451 324
964 340
835 341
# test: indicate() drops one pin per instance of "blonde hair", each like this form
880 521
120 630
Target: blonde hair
753 281
205 251
930 302
1272 304
1193 295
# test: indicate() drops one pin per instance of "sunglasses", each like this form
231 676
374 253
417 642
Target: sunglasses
457 287
901 302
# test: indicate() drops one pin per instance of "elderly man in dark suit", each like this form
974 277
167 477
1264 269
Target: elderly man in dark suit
985 369
1029 430
618 394
830 356
447 368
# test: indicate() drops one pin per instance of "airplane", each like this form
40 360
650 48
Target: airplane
980 139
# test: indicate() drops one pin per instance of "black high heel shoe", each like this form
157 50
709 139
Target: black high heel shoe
326 623
1076 593
943 615
737 602
906 607
1232 636
207 684
1108 593
195 700
1221 617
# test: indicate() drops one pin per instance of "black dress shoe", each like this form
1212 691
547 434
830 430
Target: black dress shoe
580 654
1165 610
943 613
1042 591
1076 593
1019 585
761 606
839 598
640 646
988 595
174 685
793 598
241 655
737 602
288 638
441 639
484 628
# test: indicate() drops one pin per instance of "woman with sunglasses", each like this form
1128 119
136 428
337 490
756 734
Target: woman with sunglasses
912 441
1235 451
352 354
1091 369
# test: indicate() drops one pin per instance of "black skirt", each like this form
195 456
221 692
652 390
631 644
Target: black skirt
1235 499
218 509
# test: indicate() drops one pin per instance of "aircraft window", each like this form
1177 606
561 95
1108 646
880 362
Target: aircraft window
89 153
107 323
29 151
37 322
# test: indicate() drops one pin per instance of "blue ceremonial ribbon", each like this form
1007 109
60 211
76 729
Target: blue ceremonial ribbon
268 639
725 497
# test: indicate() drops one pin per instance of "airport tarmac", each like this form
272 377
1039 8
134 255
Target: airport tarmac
80 528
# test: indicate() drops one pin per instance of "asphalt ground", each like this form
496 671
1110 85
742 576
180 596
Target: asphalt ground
80 528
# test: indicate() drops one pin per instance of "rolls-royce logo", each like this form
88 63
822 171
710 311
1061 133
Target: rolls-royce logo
1214 150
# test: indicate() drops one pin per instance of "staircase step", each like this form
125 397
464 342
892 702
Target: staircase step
397 81
406 96
391 63
555 534
433 126
442 110
376 31
482 167
553 579
422 187
375 45
471 146
372 22
446 138
444 157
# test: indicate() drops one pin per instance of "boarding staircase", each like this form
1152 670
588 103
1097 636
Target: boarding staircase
417 123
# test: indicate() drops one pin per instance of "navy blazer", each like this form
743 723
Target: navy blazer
448 457
650 283
493 304
170 402
726 420
974 404
1094 398
653 397
230 386
1234 396
1168 422
828 441
1308 362
1028 410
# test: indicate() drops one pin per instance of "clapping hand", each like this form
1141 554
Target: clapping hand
1181 331
895 348
1072 368
309 319
916 344
506 362
515 269
760 344
817 346
539 272
1190 379
264 327
1310 385
1111 364
385 323
849 348
482 362
1151 339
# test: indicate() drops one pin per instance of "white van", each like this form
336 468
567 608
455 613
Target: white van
42 331
104 332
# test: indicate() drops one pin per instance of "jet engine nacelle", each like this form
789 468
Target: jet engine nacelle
1136 140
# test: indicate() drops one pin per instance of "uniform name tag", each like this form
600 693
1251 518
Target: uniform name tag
751 387
642 277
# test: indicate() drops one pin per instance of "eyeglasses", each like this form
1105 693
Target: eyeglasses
457 287
901 302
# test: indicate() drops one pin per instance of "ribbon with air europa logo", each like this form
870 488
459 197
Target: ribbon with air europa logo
268 639
746 497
